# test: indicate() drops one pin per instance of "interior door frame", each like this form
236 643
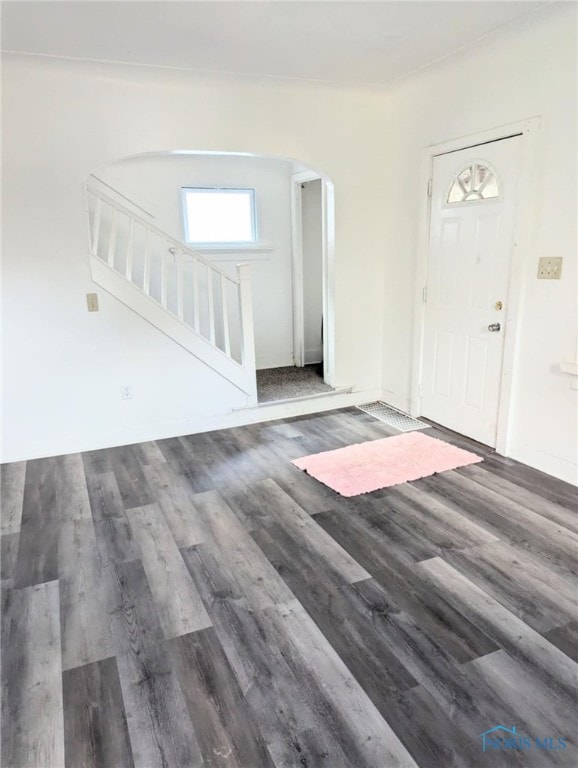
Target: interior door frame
327 257
521 257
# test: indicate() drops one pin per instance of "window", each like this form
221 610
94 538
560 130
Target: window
476 182
219 216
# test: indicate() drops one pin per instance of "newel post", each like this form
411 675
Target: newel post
247 327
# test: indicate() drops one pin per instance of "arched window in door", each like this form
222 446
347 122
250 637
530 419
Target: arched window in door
477 181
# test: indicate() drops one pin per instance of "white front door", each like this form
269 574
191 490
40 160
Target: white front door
471 239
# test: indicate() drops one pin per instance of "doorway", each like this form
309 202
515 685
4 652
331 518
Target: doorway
312 250
308 248
474 193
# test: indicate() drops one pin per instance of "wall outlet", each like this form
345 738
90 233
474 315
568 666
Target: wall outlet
549 268
92 302
125 392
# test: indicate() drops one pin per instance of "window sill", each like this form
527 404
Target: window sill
251 251
231 248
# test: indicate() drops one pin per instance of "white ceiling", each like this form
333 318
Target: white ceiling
343 42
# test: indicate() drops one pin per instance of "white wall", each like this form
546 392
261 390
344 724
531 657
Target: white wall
63 367
312 231
62 120
526 72
155 182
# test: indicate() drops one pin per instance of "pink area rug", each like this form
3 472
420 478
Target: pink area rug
381 463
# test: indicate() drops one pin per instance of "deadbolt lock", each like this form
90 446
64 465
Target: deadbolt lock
498 305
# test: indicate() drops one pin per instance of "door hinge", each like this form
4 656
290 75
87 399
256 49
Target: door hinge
424 294
429 185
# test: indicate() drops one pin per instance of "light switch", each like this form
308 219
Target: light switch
549 268
92 302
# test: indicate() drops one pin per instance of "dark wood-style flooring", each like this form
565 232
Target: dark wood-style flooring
198 601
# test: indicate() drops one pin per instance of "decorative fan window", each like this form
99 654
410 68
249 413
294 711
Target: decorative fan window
476 182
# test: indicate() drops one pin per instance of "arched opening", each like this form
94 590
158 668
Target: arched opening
273 214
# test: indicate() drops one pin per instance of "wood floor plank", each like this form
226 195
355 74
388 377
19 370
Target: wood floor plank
32 709
40 526
428 731
311 495
343 618
131 481
95 729
178 604
540 527
225 466
538 595
77 547
287 431
533 480
114 537
376 743
97 462
226 733
565 638
11 496
160 729
433 521
134 621
174 494
511 633
84 615
256 582
148 454
8 556
258 464
425 655
71 488
388 522
505 519
299 728
247 507
186 461
84 597
235 555
299 524
541 709
528 499
404 587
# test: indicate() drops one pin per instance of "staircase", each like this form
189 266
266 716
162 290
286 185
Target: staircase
200 306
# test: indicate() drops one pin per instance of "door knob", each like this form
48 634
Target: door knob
494 327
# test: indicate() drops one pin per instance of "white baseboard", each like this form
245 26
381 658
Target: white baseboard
546 462
208 423
400 402
280 362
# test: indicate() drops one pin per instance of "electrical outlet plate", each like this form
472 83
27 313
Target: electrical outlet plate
92 302
549 268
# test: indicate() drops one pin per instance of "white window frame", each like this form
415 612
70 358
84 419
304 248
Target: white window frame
220 244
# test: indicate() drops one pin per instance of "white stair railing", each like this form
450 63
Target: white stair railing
204 308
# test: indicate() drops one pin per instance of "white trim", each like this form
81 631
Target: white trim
138 433
234 252
328 258
527 189
297 399
297 267
302 176
394 400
